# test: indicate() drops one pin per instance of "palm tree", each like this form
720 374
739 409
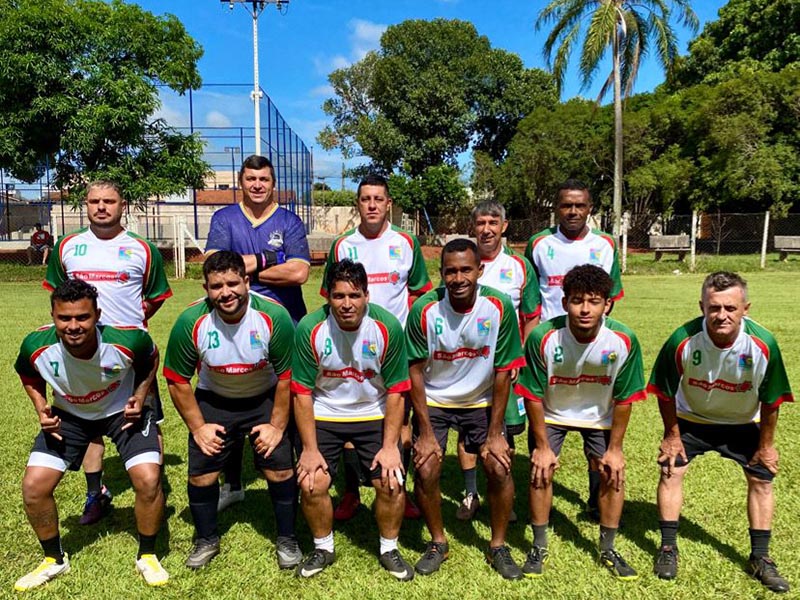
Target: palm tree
628 27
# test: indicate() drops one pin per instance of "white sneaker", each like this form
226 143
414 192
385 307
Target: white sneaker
227 497
47 570
152 571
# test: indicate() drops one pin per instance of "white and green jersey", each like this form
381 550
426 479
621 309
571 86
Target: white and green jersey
580 383
126 270
720 385
462 351
233 360
348 374
92 388
393 262
552 255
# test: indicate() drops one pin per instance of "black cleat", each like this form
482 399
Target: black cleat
534 564
666 566
396 565
765 570
501 561
433 557
315 563
617 566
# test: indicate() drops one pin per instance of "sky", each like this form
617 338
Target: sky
302 44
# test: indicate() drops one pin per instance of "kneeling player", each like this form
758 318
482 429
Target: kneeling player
99 376
583 373
349 372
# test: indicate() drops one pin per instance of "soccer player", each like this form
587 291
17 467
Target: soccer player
272 241
719 380
128 272
240 344
397 276
349 373
583 373
99 376
554 251
42 242
510 273
463 342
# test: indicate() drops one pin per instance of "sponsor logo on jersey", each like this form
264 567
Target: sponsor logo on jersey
594 254
608 357
469 353
395 252
125 253
92 397
393 278
506 275
555 280
745 361
349 373
120 276
239 368
484 326
255 340
111 372
599 379
276 239
721 384
369 348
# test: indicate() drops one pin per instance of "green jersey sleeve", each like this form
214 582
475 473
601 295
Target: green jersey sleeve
56 274
394 369
418 279
665 377
629 383
305 365
41 338
774 388
181 357
416 330
532 382
531 302
617 292
156 286
281 341
508 353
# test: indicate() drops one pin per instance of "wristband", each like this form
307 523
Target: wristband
259 262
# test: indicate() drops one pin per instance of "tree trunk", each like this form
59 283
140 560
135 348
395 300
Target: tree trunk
617 206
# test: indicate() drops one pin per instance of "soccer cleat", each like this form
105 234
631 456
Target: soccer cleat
202 553
411 510
468 507
398 568
47 570
666 565
765 570
501 561
96 507
534 563
315 563
288 551
152 571
617 566
228 497
347 508
433 557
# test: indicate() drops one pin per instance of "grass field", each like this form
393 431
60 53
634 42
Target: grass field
713 534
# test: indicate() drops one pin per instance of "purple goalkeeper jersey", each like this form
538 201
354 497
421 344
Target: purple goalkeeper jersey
280 231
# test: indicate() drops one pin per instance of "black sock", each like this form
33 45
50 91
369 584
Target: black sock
147 544
512 445
669 533
352 469
284 503
203 504
94 481
52 549
607 535
470 480
594 489
233 465
540 535
759 542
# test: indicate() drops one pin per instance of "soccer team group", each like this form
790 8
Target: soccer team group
379 375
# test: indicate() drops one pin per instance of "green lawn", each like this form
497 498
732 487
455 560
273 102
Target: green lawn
713 535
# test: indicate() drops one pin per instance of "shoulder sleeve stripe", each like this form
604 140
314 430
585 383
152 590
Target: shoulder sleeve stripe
498 303
267 320
424 318
678 356
196 329
624 337
656 391
761 345
543 343
385 335
406 237
148 257
126 351
607 238
312 339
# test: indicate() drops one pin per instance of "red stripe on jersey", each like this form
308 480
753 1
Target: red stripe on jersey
126 351
298 388
498 303
543 343
400 387
731 387
34 381
462 353
635 397
36 353
652 388
287 374
618 296
425 288
349 373
601 379
785 398
196 329
239 368
521 263
174 377
385 333
539 239
760 343
517 363
406 237
526 393
424 318
608 238
92 397
624 337
313 340
267 320
679 356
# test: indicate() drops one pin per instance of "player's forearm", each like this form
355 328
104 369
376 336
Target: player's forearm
186 404
500 391
37 394
145 375
769 421
669 416
304 418
619 425
535 412
292 272
151 307
280 409
419 399
393 419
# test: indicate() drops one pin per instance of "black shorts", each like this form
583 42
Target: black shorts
736 442
366 437
136 445
238 416
595 441
471 423
153 400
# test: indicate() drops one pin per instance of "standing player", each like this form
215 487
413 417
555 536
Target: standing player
510 273
273 244
554 251
240 344
463 342
397 276
128 272
584 372
719 380
99 377
349 374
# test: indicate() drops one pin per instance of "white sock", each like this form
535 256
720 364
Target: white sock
387 545
324 543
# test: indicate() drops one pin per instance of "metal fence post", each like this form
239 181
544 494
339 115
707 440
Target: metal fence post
626 221
693 238
764 240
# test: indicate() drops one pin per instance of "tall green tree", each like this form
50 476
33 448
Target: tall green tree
78 90
628 28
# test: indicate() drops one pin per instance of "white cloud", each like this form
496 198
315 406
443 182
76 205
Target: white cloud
365 36
324 91
217 119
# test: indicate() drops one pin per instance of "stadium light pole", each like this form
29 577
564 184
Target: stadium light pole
255 8
232 150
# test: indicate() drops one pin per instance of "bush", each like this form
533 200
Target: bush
333 197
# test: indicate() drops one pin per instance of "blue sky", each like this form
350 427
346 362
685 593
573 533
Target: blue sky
300 48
